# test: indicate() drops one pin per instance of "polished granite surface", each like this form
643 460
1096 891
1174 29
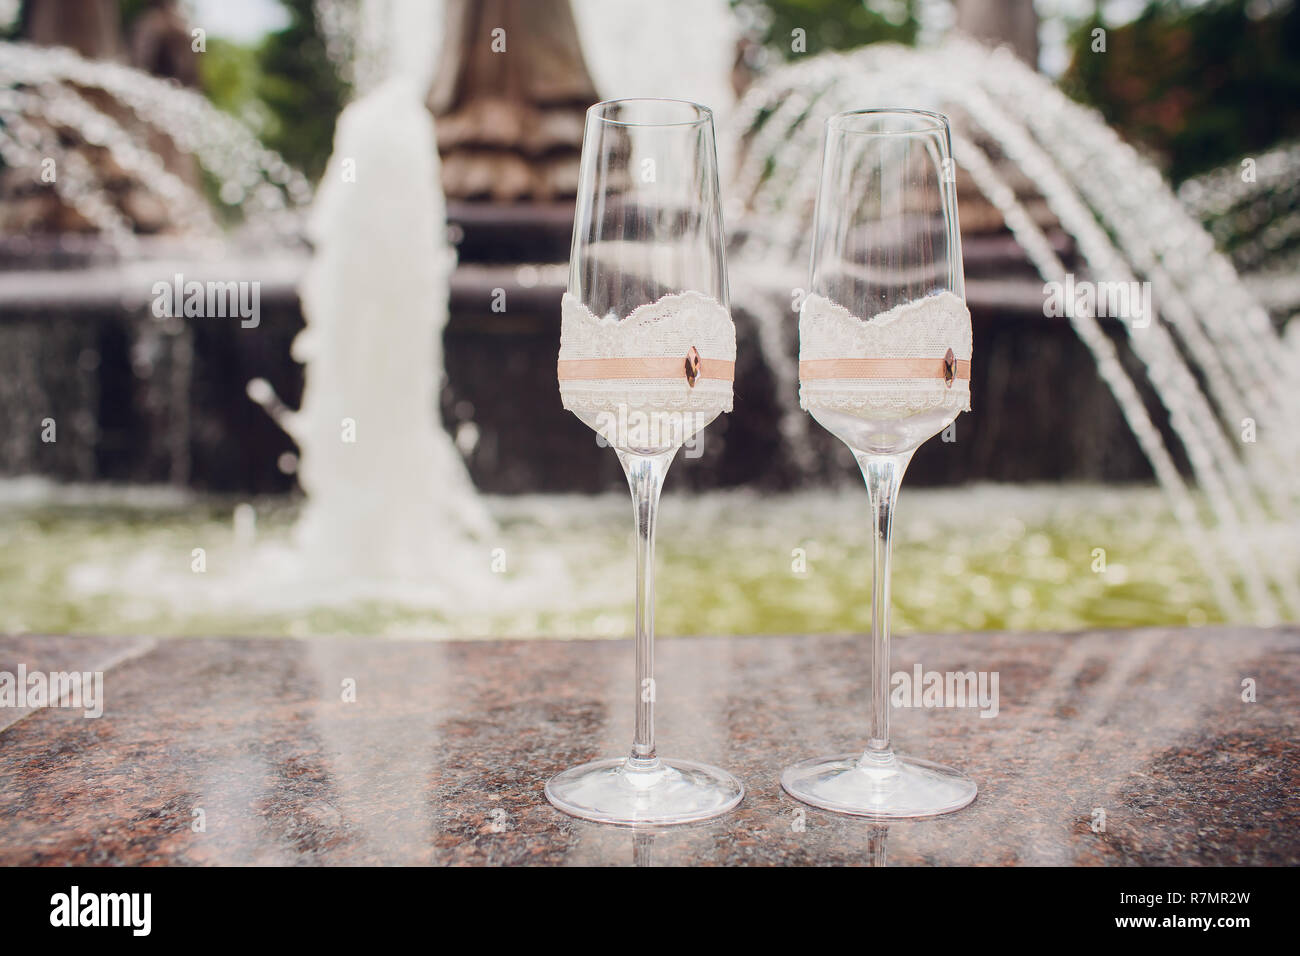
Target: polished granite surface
249 752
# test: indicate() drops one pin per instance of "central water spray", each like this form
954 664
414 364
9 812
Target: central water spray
388 495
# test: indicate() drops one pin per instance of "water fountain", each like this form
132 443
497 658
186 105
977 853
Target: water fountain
43 93
388 497
1252 209
389 503
1127 224
387 494
82 142
390 511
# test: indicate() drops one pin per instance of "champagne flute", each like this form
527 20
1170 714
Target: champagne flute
884 365
647 359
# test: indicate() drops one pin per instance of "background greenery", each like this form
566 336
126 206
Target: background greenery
301 90
1195 84
830 24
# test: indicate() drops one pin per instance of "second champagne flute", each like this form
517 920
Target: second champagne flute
884 365
647 358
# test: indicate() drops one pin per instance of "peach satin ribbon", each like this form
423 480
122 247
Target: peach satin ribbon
641 368
867 368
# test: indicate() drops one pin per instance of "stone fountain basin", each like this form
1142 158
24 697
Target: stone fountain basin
140 399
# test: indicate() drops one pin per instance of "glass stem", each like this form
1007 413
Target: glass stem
645 476
883 474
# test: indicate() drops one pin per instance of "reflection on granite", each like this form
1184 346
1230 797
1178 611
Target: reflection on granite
246 751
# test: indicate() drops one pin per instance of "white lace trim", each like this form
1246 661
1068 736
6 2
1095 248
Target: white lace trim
667 328
924 328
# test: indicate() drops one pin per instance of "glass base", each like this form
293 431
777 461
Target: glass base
656 792
885 786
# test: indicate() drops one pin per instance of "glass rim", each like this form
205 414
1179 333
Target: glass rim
927 121
702 113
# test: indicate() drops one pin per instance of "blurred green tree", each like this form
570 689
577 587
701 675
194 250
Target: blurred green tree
830 24
231 76
1198 84
302 91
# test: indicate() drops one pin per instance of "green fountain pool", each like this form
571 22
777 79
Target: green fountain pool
114 561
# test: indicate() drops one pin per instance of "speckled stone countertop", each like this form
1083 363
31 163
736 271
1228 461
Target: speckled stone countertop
246 752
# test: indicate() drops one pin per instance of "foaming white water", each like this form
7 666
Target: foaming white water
390 513
387 494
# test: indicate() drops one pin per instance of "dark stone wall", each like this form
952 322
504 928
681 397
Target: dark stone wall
142 400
